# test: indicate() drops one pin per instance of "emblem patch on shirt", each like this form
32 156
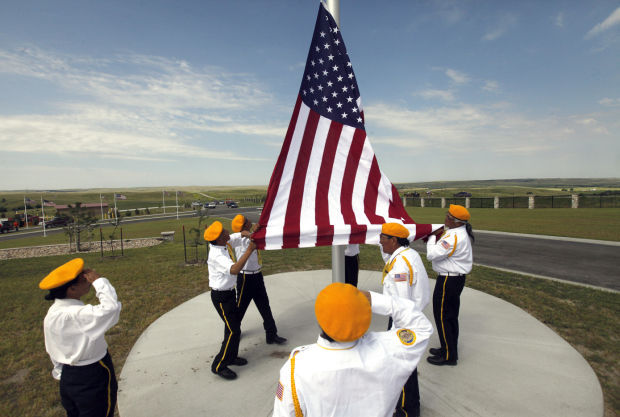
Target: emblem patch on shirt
401 277
280 391
406 336
445 244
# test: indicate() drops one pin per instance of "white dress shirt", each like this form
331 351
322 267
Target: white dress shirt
219 263
75 332
452 253
352 249
359 378
240 245
399 281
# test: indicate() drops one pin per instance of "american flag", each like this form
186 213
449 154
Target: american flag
120 197
48 203
326 187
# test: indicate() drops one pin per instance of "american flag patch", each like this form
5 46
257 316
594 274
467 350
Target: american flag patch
445 244
280 391
401 277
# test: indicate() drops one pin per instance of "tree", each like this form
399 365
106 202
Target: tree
196 233
83 223
112 235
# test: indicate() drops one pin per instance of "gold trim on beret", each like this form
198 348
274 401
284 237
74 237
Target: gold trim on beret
62 274
459 212
395 229
343 312
237 223
214 231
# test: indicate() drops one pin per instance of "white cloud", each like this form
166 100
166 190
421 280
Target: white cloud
612 20
431 94
609 101
157 110
491 86
558 20
500 27
457 77
484 129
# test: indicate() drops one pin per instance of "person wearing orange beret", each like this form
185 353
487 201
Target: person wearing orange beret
223 272
404 276
450 251
75 339
250 282
350 372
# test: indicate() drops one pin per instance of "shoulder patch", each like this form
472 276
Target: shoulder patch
406 336
280 391
403 276
445 244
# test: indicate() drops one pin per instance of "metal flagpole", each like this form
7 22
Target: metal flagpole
163 200
26 211
333 6
43 215
115 210
176 195
101 205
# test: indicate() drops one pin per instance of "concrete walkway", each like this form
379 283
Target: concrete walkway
510 364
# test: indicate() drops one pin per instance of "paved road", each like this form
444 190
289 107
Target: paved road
569 260
572 260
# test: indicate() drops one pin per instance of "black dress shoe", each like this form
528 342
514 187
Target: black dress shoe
275 339
440 360
239 361
226 373
436 352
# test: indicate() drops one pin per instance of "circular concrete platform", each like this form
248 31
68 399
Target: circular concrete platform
510 364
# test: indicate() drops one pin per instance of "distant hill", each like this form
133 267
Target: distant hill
519 182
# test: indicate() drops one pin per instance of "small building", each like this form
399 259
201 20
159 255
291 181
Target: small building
94 209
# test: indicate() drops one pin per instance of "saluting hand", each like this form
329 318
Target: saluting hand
91 275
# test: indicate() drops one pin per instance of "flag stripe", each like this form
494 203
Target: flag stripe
325 232
348 183
276 176
293 211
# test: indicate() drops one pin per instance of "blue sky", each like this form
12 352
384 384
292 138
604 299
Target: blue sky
164 93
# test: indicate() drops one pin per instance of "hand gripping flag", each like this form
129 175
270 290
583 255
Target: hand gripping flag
326 187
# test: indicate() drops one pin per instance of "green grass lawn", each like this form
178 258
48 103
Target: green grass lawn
152 281
601 224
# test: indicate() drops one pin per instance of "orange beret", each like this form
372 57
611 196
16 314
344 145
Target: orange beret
395 229
343 312
237 223
214 231
459 212
62 274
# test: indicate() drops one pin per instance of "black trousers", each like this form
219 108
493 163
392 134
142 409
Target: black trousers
409 400
226 306
351 269
252 287
90 390
446 304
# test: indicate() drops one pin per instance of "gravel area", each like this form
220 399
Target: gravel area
62 249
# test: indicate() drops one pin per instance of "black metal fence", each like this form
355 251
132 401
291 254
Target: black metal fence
540 201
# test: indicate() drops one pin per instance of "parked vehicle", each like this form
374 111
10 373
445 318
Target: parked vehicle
59 221
210 205
232 204
8 225
462 194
